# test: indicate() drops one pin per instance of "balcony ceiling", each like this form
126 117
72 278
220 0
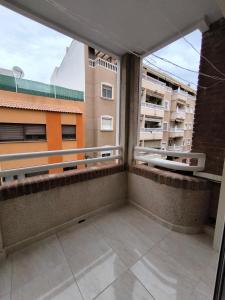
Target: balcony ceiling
119 26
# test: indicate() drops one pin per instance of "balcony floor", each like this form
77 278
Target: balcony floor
120 255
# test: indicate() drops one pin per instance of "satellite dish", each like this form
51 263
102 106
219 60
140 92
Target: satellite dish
18 72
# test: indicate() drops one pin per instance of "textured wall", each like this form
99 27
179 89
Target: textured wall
209 125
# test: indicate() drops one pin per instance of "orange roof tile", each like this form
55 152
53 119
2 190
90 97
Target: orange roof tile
53 107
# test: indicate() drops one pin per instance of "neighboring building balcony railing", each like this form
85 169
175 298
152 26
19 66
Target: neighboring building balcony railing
151 133
160 84
103 63
179 114
71 163
180 95
152 109
148 155
192 97
176 132
175 148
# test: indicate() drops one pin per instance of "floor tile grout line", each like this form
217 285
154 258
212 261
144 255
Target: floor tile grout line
75 281
142 284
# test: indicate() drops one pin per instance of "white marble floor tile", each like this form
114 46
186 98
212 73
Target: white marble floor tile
190 251
127 287
94 264
5 278
163 277
35 260
127 241
202 292
152 230
57 283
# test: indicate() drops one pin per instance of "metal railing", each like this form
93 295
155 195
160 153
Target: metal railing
151 129
174 129
151 105
147 155
72 163
104 63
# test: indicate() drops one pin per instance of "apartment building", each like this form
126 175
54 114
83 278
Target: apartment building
99 78
38 117
167 105
167 112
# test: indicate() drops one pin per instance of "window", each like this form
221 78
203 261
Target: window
22 132
188 142
166 105
165 126
107 91
163 145
68 132
106 123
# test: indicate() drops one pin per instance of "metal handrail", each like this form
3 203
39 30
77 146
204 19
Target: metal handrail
141 152
28 155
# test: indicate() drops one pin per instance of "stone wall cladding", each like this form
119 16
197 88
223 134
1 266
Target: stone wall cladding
37 184
170 178
209 125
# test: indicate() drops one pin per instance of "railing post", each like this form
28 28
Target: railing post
130 92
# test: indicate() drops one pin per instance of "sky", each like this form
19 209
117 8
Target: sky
38 49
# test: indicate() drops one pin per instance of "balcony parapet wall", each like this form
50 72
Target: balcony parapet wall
177 201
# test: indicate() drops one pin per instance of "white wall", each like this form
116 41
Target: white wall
71 73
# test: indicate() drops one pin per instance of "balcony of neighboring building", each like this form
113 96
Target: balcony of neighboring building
175 143
180 95
152 129
151 105
176 129
154 85
178 112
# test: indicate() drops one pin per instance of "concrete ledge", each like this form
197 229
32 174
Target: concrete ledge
37 214
176 201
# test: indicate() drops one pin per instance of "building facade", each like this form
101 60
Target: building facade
167 105
32 120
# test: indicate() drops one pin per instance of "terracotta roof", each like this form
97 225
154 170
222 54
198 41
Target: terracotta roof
53 107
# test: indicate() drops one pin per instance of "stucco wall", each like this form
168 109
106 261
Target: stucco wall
180 209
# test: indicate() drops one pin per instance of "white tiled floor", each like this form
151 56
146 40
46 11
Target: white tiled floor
123 255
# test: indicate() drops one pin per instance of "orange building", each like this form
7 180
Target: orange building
30 123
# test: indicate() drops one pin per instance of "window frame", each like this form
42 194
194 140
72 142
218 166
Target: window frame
101 122
69 138
109 85
168 102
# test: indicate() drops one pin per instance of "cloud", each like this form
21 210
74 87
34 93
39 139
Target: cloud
181 53
37 49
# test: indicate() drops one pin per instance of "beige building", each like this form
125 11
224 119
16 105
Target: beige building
167 105
167 112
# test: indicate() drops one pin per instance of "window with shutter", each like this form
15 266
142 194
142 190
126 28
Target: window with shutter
11 132
106 123
68 132
34 132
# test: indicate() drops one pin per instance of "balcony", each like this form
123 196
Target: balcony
151 109
178 115
180 96
176 132
151 133
102 63
152 84
73 236
175 148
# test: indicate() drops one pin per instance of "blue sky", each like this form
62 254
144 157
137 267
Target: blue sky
38 49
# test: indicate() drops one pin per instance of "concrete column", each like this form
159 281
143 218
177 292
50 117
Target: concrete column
130 92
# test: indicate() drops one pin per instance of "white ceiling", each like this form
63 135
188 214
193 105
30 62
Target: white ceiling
119 26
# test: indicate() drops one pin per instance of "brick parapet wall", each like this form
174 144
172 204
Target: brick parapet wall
37 184
170 178
209 125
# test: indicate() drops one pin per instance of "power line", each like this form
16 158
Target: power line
186 69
